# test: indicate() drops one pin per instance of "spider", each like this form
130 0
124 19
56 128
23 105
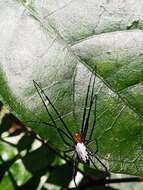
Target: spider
78 141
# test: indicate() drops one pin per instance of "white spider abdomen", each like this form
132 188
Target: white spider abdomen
81 152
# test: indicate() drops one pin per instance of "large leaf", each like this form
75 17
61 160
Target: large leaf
58 45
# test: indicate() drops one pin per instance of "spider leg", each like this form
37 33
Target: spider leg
51 125
103 165
90 141
95 117
69 150
64 141
75 164
66 151
60 131
86 122
85 106
116 118
42 94
92 161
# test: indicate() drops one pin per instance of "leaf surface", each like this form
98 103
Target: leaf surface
58 45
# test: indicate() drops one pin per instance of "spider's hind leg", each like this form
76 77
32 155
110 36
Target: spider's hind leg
102 164
93 154
66 152
90 141
75 165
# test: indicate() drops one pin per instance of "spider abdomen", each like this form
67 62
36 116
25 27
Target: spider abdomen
81 152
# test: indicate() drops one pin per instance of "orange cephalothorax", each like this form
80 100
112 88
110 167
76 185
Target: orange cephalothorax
77 138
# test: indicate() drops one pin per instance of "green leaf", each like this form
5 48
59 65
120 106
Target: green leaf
32 183
58 45
61 176
6 183
38 160
25 143
4 167
20 174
